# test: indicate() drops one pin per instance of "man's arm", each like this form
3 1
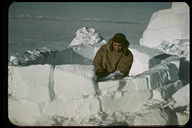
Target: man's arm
126 64
97 62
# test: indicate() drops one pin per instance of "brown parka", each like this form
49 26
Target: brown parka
106 61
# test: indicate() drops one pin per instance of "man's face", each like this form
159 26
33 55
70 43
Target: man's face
117 47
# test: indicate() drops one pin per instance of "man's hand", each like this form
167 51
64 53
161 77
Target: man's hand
119 74
101 74
115 75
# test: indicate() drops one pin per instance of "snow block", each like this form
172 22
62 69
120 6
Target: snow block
171 69
152 116
156 78
80 108
171 33
160 75
131 101
174 60
143 58
157 19
126 84
108 86
180 7
182 96
150 37
137 83
22 112
32 83
87 42
73 82
182 118
88 36
166 91
167 24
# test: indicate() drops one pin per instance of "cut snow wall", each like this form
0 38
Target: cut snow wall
70 90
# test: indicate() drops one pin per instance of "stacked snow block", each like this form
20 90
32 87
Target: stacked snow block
72 108
74 92
22 111
131 93
160 75
126 95
182 96
71 82
173 83
28 88
32 83
65 90
71 91
144 58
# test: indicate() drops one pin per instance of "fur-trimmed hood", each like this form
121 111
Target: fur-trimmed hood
125 46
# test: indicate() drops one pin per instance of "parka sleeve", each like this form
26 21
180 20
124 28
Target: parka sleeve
127 64
97 63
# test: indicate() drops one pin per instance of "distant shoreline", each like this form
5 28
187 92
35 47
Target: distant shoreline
27 16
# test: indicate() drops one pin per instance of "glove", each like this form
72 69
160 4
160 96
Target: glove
101 74
115 75
119 74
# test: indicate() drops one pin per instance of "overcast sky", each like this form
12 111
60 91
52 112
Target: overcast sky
119 11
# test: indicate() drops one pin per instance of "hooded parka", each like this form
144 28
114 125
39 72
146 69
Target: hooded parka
107 61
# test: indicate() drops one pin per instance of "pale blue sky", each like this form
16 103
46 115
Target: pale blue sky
112 11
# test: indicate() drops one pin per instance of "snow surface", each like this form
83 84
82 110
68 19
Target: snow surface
49 87
174 26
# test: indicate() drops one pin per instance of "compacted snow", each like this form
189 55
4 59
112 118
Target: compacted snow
49 87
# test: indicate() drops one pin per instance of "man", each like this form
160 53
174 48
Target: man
113 59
